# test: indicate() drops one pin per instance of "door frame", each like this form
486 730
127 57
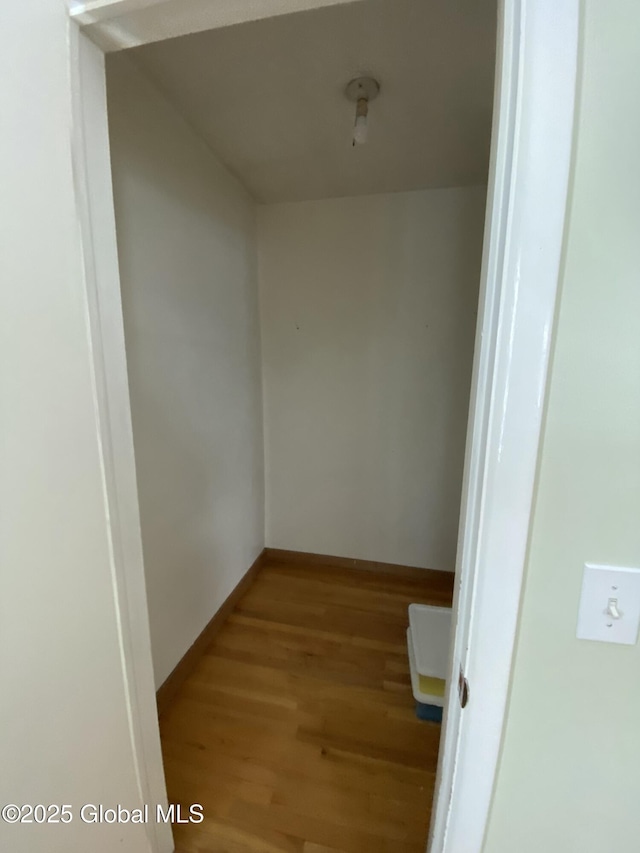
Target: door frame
522 257
531 156
96 219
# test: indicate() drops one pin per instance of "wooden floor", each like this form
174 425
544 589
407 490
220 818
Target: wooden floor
297 730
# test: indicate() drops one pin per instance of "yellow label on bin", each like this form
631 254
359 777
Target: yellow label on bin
431 686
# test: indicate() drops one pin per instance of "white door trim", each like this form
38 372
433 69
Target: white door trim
524 231
94 205
118 24
531 153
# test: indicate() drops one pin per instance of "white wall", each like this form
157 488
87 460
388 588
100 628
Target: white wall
187 249
569 776
64 731
368 312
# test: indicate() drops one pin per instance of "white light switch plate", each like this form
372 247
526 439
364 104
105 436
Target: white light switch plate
608 590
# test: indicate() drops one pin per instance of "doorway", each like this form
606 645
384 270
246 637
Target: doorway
494 354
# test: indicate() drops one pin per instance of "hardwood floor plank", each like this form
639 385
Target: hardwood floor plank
310 847
215 835
296 730
326 633
311 828
440 587
330 769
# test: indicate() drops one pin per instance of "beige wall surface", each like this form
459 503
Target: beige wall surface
368 310
188 266
64 731
569 776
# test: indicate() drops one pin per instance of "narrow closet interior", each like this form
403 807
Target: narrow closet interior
299 265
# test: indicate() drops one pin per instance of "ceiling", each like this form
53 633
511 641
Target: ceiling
268 96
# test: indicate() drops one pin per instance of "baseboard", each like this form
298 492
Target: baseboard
188 662
278 555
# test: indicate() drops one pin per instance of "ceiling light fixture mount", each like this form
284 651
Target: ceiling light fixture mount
361 91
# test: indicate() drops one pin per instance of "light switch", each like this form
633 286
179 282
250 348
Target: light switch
610 604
